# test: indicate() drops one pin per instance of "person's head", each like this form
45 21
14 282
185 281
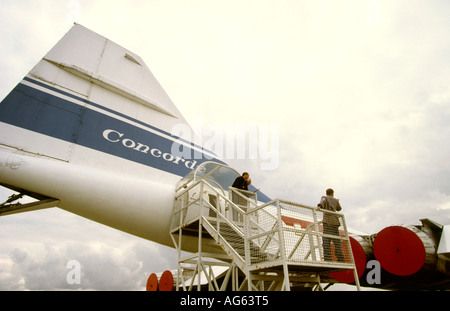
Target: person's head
330 192
245 175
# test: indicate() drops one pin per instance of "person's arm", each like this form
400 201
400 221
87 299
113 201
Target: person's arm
237 183
321 203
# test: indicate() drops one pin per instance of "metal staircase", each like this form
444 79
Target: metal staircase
275 245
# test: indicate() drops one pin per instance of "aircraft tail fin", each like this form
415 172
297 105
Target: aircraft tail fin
91 95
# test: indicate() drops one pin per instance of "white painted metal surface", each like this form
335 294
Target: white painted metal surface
444 243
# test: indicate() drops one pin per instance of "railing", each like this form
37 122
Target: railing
200 201
263 235
258 238
291 232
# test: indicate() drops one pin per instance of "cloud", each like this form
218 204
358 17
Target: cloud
37 246
360 93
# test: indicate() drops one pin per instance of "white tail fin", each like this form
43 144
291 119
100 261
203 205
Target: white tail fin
90 95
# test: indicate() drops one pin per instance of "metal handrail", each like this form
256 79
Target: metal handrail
264 243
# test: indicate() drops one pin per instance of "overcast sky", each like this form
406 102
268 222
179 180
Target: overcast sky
359 89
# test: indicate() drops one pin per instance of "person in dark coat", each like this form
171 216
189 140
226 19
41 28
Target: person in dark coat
242 182
331 225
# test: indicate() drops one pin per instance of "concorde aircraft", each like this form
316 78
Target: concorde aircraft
89 130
